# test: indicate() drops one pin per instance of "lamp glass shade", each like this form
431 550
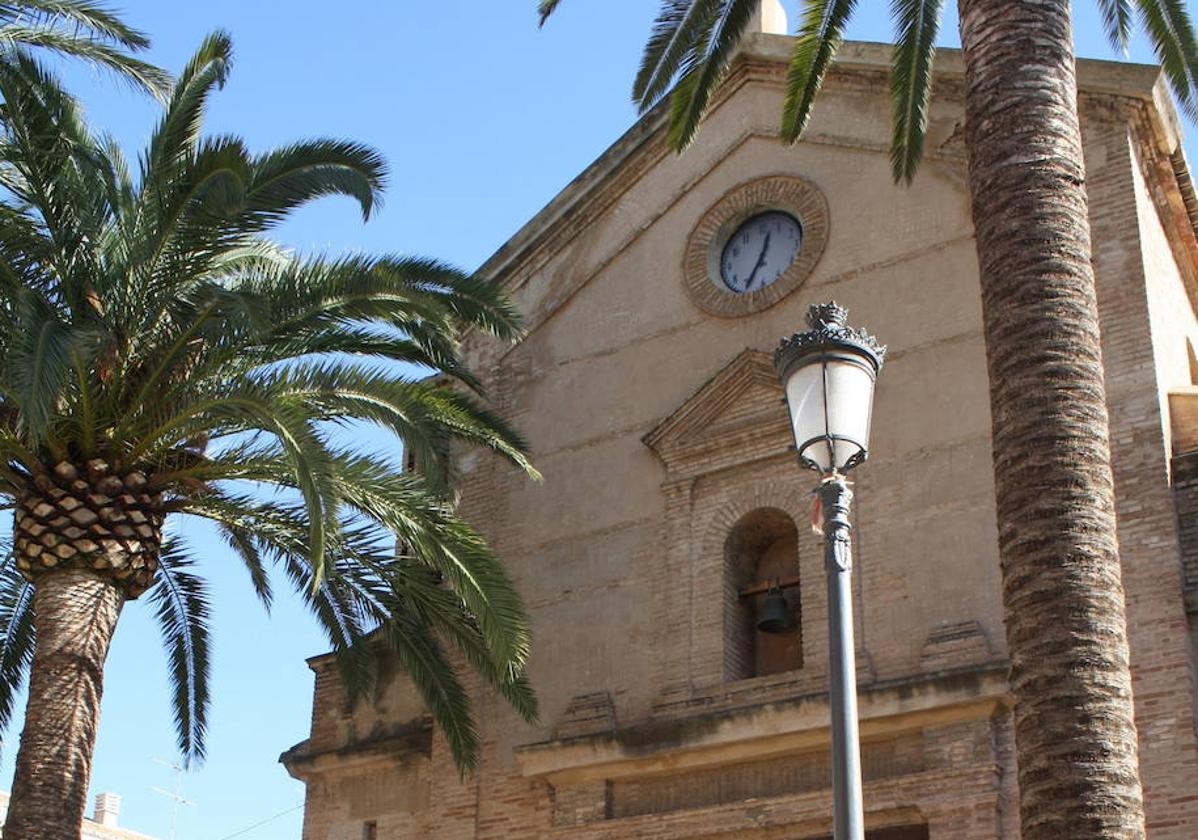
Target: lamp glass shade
830 396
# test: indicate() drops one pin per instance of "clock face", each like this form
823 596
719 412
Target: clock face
760 250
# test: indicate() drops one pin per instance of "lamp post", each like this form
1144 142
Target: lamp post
828 373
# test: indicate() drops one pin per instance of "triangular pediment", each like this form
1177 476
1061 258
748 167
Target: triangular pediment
762 58
729 419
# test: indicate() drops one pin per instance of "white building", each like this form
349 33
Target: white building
101 825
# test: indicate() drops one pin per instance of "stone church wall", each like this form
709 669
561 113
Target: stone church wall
660 430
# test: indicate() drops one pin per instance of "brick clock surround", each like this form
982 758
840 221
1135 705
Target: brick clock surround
670 485
795 196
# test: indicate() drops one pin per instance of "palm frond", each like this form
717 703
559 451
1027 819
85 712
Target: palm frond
1171 31
178 131
245 546
13 451
1117 20
120 184
426 526
139 74
294 175
408 293
820 33
25 254
334 604
420 413
911 81
252 408
360 341
419 519
89 20
181 608
423 658
545 8
707 70
468 298
39 364
51 150
280 531
17 636
421 589
680 26
207 183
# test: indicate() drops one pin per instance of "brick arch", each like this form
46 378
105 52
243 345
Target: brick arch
737 557
791 498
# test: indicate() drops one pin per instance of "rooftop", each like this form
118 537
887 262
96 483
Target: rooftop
101 825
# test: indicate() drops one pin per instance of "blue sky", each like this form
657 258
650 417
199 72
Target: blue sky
483 118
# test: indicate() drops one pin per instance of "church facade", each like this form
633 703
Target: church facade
655 287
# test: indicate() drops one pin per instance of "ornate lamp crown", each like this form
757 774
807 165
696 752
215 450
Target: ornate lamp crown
829 331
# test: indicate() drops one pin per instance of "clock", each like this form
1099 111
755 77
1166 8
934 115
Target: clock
755 245
760 250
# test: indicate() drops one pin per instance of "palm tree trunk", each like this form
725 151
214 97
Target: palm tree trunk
1075 734
76 614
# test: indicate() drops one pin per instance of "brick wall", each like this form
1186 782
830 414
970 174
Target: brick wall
1145 314
659 428
1185 493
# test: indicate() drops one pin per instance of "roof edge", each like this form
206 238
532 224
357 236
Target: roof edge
1142 82
640 133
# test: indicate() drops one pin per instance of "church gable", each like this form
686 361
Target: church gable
600 216
640 197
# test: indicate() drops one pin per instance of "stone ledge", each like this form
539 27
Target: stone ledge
771 729
955 645
587 714
888 821
1093 74
1192 601
1183 422
415 740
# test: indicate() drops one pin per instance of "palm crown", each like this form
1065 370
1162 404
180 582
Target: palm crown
160 357
693 42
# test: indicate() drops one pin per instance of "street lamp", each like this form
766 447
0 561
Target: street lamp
828 374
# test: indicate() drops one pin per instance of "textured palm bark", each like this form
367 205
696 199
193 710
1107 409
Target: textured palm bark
1074 728
76 614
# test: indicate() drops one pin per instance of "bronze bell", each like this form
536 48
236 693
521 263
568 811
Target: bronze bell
776 616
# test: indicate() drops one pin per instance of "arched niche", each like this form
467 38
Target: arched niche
762 546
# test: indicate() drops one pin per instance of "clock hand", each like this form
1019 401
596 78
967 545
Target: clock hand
760 262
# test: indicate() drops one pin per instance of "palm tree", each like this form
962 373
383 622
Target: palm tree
79 29
162 359
1074 729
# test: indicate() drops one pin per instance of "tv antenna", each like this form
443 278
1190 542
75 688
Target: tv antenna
176 796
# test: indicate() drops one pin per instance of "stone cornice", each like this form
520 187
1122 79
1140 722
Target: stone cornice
691 439
1169 181
785 727
412 742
